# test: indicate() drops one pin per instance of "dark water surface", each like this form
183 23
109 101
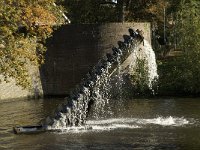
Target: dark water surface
136 124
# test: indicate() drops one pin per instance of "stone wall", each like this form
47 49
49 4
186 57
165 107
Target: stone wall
11 91
74 49
71 52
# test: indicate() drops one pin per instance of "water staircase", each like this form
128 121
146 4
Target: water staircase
74 110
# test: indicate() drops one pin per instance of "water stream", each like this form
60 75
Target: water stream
147 56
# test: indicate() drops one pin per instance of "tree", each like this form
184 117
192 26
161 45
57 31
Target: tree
24 27
189 42
183 74
90 11
100 11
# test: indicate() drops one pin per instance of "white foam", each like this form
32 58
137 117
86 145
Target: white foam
168 121
113 126
124 123
146 54
164 121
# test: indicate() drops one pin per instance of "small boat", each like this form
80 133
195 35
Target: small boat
29 129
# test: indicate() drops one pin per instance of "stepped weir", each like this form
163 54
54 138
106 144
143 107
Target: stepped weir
74 111
75 108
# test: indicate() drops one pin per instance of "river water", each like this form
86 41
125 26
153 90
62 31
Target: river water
134 124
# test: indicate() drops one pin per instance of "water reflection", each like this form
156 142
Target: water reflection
136 128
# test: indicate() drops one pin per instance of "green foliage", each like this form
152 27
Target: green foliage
99 11
90 11
189 26
182 74
139 77
24 27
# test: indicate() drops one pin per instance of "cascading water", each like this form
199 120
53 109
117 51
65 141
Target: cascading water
146 55
74 111
95 87
102 96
